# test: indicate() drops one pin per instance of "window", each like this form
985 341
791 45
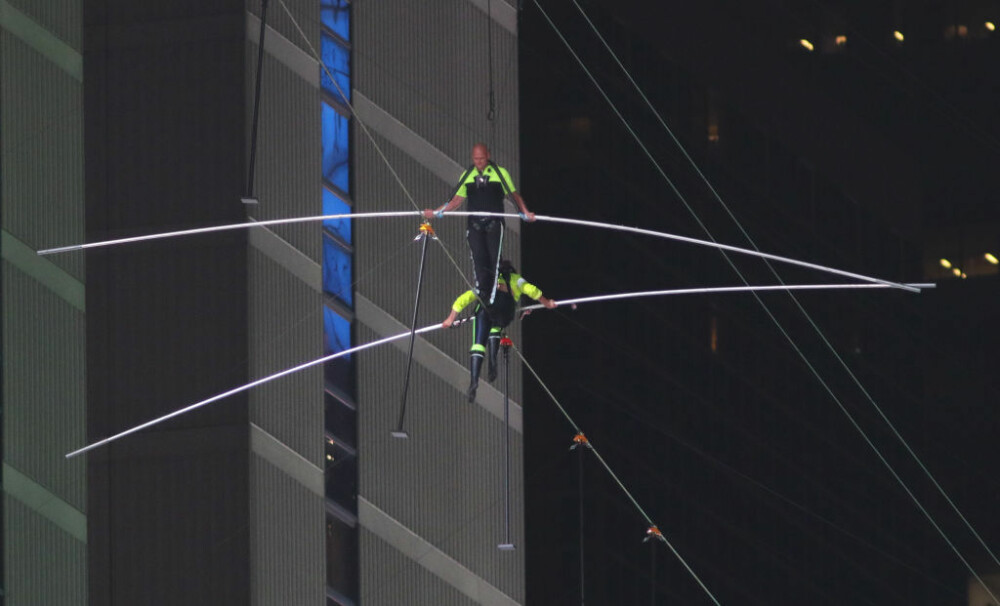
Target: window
337 59
338 331
341 558
336 15
337 271
333 205
336 141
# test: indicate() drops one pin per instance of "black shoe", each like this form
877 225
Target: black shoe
491 369
475 364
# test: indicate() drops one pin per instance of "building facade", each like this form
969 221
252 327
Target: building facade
130 119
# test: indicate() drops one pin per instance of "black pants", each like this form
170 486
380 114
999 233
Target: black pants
485 242
491 320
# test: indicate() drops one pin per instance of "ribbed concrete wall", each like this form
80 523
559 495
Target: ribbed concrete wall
305 13
441 92
286 312
287 330
395 580
43 388
445 483
45 565
289 164
43 348
288 546
63 18
426 65
41 108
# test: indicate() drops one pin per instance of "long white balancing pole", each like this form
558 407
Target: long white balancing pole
723 289
217 228
251 385
413 213
433 327
745 251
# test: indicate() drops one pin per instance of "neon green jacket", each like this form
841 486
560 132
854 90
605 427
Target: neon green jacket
517 287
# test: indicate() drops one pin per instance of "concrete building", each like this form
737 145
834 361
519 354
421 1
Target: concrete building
124 119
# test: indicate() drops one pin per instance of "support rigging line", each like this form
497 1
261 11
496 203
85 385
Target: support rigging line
808 317
580 444
458 213
507 544
426 231
653 531
788 337
249 199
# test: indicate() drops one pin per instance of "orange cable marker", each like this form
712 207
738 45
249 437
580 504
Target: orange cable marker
653 531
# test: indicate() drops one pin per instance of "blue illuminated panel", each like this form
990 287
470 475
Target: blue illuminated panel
336 15
337 272
339 375
338 331
338 60
336 140
333 205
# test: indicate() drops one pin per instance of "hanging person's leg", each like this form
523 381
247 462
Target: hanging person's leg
480 330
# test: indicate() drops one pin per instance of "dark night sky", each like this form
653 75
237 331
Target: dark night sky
747 464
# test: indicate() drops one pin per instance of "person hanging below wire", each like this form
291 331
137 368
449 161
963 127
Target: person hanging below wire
485 185
490 320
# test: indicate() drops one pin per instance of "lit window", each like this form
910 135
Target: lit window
336 15
338 331
945 263
333 205
337 271
841 40
806 44
990 26
991 258
337 59
956 271
898 35
336 141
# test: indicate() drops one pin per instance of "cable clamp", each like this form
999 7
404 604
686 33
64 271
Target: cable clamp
580 440
425 230
654 533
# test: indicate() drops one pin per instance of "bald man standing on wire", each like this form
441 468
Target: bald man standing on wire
485 185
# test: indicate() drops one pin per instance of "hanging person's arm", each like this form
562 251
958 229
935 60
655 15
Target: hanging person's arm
460 303
532 291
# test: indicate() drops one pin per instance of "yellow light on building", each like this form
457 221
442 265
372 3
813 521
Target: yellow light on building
956 271
964 276
991 258
990 26
898 35
945 263
806 44
840 40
